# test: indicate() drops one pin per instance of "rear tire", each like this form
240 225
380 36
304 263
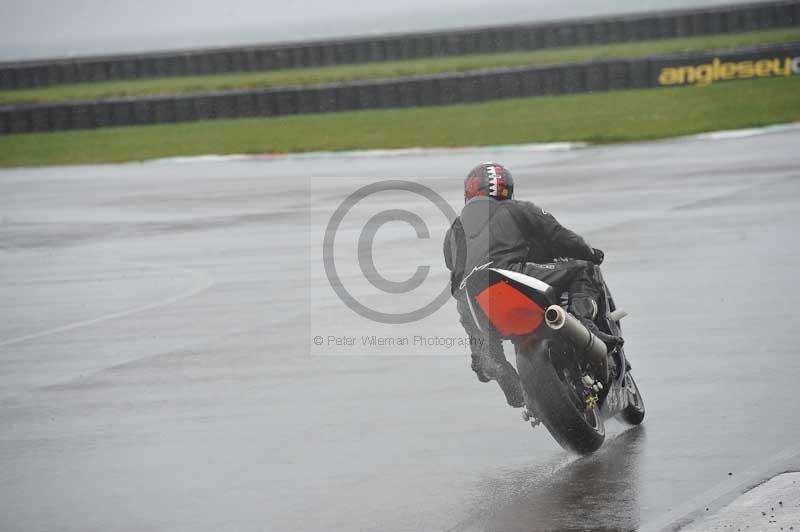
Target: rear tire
551 398
634 412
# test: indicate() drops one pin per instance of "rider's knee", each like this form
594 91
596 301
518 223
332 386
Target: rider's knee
583 305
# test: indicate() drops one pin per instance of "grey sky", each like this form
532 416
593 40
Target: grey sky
49 28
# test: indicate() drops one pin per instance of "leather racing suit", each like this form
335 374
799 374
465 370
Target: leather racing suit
519 236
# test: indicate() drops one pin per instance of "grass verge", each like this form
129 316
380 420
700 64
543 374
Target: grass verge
99 90
597 118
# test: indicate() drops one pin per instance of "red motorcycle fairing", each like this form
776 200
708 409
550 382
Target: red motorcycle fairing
510 302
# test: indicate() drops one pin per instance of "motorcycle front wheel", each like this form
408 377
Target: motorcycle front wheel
555 400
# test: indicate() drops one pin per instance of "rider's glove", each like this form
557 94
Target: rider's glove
598 256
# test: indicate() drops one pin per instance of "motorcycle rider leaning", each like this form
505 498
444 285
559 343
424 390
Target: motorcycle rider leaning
519 236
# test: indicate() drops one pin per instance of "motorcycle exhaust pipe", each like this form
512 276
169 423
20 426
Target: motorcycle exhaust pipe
571 329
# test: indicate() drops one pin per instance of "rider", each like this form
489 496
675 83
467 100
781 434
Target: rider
520 236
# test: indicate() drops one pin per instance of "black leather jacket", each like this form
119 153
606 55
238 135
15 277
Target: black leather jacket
507 233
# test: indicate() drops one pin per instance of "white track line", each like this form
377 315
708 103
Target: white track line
202 281
744 133
430 152
403 152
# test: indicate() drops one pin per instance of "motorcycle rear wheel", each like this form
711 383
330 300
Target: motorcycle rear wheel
553 399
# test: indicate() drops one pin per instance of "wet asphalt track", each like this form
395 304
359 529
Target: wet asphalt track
157 370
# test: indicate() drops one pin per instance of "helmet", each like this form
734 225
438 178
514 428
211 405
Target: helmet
489 179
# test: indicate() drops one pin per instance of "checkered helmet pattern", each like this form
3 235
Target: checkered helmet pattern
489 179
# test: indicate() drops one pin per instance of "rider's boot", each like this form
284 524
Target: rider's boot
584 308
489 369
478 369
510 384
611 341
489 364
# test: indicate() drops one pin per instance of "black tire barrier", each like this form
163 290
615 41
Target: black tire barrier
442 89
577 32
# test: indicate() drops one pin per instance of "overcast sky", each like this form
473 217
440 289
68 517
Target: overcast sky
48 28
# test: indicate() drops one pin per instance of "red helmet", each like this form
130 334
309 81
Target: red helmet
489 179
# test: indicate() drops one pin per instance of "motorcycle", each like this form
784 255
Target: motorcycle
572 384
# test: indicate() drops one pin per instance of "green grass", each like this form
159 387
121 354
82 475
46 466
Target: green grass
92 91
598 118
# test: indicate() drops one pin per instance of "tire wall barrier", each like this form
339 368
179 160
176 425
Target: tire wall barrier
577 32
615 74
